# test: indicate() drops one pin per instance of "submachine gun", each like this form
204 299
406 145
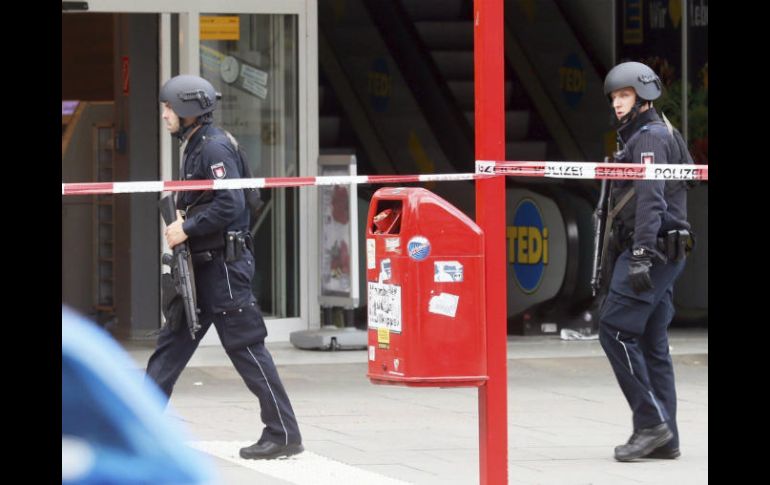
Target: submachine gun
181 268
600 246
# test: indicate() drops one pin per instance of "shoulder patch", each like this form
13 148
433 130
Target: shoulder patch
219 171
648 158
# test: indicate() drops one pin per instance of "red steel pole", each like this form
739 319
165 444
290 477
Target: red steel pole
490 216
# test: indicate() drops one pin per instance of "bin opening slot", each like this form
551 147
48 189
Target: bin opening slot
388 218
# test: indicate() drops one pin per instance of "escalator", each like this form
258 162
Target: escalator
402 72
445 30
560 77
548 289
383 103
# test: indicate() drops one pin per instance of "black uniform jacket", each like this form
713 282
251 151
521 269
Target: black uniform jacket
658 205
210 155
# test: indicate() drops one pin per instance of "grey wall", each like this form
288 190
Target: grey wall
137 230
144 149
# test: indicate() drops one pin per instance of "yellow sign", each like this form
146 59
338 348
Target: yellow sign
527 244
383 337
220 28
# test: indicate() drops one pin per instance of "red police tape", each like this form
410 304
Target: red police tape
589 170
484 168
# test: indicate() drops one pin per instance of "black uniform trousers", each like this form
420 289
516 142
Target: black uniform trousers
242 332
633 331
254 364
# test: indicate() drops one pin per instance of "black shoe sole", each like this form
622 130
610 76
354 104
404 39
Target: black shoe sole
659 454
283 453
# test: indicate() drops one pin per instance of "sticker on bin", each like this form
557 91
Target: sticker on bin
371 352
392 244
447 271
384 306
418 248
395 372
385 270
444 304
370 246
383 338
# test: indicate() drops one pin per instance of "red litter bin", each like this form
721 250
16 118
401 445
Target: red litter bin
425 285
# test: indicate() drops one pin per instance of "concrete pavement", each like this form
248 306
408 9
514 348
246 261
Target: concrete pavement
566 413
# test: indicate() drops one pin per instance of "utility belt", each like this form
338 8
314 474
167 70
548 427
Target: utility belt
674 244
204 248
232 244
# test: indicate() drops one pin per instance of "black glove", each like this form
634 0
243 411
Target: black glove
639 270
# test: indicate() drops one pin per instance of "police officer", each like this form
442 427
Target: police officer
216 229
651 233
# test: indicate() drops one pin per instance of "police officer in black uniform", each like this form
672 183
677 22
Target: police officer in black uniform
216 229
651 236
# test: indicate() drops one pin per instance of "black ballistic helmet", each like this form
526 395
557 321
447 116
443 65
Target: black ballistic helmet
634 75
189 96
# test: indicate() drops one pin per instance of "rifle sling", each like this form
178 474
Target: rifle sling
610 217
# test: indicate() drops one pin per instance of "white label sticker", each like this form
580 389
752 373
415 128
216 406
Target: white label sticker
392 244
384 308
447 271
371 352
385 270
444 304
370 245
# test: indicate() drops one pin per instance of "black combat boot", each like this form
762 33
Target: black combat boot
643 442
268 450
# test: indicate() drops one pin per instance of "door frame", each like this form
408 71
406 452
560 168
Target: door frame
189 62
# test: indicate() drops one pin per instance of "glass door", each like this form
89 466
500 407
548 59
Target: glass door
252 60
